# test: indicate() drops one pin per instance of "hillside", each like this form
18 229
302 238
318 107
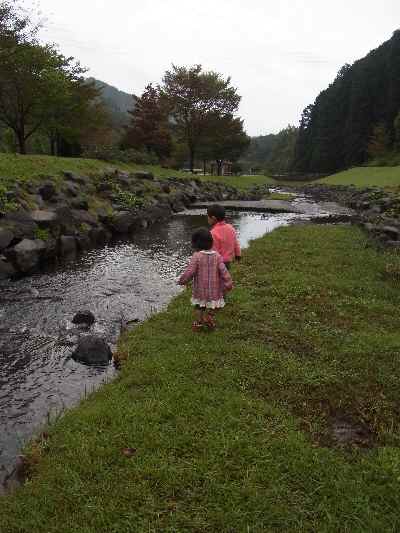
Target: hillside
361 105
117 102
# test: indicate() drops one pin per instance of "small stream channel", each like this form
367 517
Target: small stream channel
127 281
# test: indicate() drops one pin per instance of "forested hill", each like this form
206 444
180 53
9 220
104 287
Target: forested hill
117 102
355 116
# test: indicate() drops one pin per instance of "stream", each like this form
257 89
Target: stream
121 283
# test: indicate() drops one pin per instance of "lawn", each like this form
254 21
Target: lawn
23 167
366 177
242 429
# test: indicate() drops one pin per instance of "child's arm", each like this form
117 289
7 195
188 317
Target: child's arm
225 276
189 272
238 253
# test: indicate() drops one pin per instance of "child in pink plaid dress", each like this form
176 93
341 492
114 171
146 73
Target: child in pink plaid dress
211 279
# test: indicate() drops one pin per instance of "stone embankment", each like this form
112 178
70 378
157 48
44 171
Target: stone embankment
60 217
377 209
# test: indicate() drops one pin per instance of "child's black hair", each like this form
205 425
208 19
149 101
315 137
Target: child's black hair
202 239
216 211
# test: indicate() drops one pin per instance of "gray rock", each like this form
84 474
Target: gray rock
20 223
92 350
80 203
6 268
123 222
143 175
27 254
99 236
71 189
47 191
75 177
392 232
67 246
45 219
83 217
84 317
6 237
83 242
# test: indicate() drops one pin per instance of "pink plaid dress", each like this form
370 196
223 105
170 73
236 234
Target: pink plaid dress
211 279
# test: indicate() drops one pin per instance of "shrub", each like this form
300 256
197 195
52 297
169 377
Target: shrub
111 153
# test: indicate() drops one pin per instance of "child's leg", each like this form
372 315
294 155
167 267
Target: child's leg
209 318
198 318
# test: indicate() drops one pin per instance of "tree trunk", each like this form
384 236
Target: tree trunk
204 167
52 145
219 167
21 142
191 158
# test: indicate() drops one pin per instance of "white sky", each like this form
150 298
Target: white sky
280 54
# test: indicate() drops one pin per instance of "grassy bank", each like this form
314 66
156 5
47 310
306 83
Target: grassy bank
233 431
24 167
366 177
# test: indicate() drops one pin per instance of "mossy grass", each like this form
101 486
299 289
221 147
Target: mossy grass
232 430
388 177
16 167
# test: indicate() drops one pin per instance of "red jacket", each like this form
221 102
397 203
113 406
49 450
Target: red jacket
225 241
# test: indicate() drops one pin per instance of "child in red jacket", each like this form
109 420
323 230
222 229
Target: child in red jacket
224 235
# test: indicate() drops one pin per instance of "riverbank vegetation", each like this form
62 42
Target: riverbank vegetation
367 176
284 419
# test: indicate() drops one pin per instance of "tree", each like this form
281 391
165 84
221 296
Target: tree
192 96
225 140
379 141
34 80
396 125
150 128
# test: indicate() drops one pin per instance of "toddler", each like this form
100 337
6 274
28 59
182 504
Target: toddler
224 235
211 279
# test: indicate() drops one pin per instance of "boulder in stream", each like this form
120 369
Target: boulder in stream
84 317
92 350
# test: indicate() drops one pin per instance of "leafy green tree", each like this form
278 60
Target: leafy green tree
193 95
150 128
225 140
379 142
396 125
33 81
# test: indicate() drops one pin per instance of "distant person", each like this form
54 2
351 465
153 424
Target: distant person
224 235
211 280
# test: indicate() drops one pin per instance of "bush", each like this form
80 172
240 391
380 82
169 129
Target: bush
111 153
6 204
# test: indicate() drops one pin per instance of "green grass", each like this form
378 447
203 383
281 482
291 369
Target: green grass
366 177
231 431
241 182
25 167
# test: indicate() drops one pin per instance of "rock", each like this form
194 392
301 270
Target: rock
391 232
27 254
104 186
80 203
71 189
143 175
6 268
123 222
83 217
21 224
75 178
92 350
83 242
66 220
47 191
84 317
67 246
45 219
99 236
6 237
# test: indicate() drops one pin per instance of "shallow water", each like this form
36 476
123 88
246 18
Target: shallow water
127 281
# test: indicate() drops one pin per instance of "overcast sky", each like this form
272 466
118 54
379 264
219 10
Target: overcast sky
280 54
